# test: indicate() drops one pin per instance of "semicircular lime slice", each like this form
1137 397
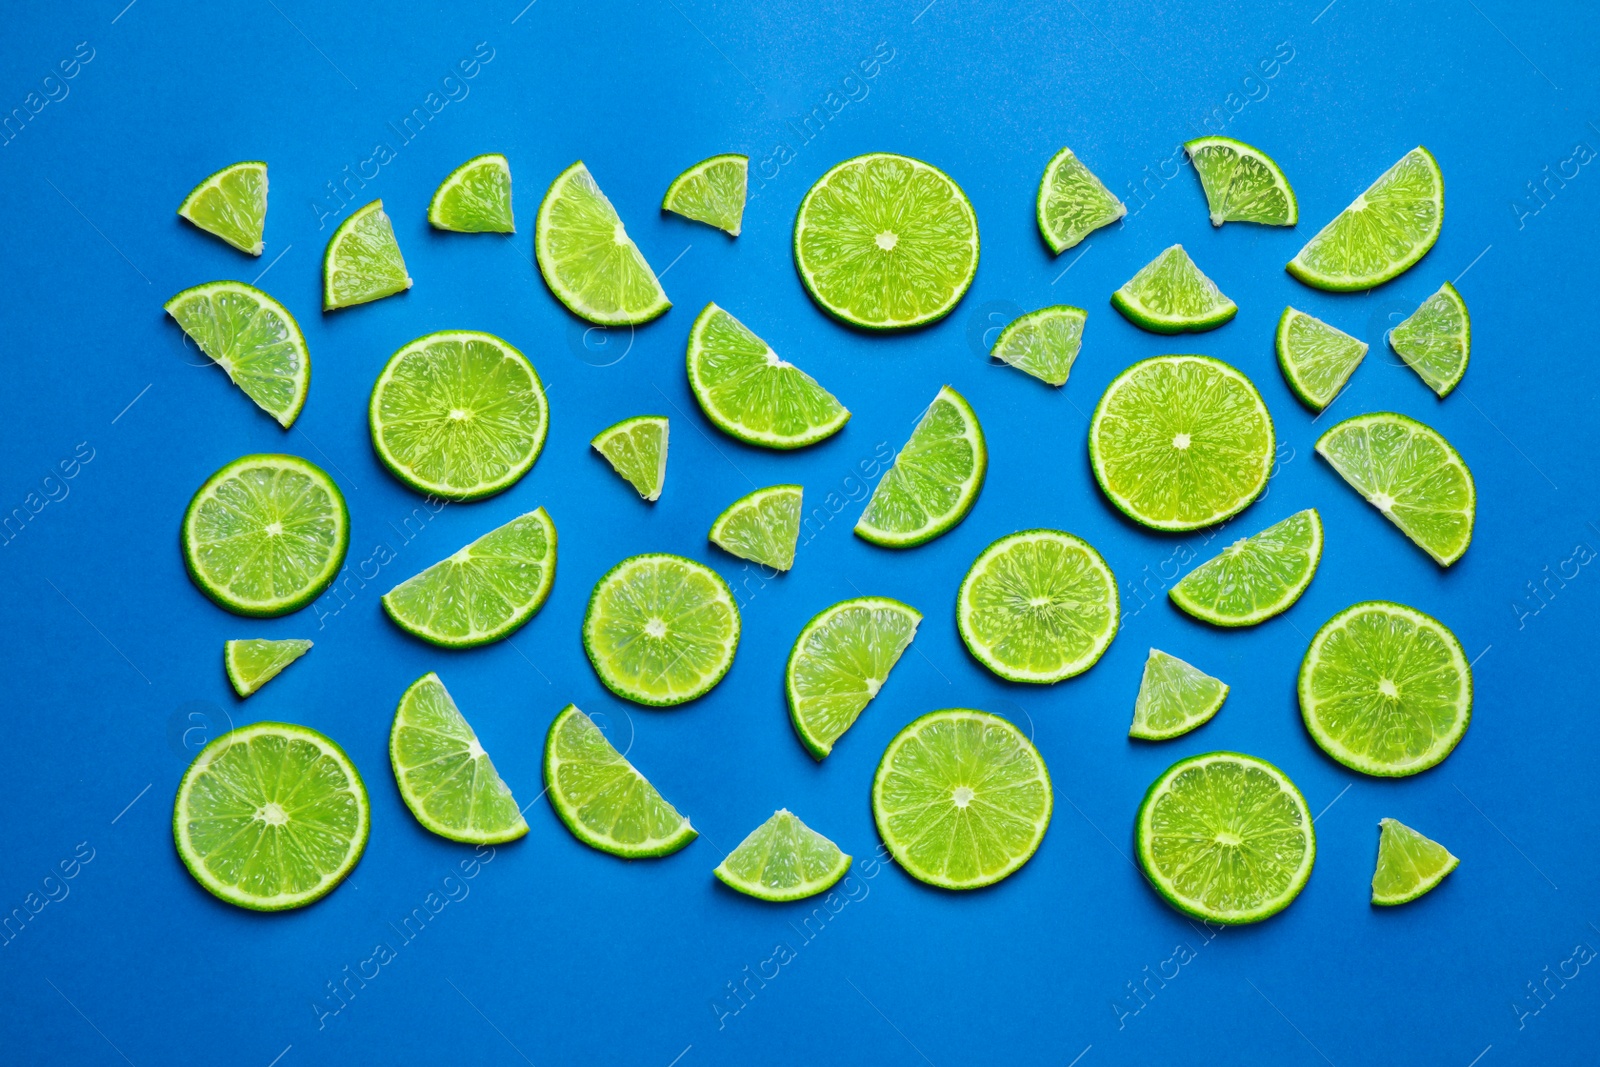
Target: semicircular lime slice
1171 295
763 526
1436 340
840 662
1043 343
1385 231
1174 698
1409 864
712 191
600 797
1072 202
587 258
475 197
1256 577
1242 183
231 204
1316 359
935 478
253 338
362 262
253 662
636 448
783 859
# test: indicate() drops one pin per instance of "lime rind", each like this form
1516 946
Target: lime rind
763 526
783 859
1043 343
1316 359
636 448
602 799
253 338
1072 202
935 479
232 205
1171 295
1174 698
1409 864
840 663
587 258
1382 234
475 197
1436 340
253 662
712 191
1242 183
362 262
1256 577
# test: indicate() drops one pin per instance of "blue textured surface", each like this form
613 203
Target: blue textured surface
554 953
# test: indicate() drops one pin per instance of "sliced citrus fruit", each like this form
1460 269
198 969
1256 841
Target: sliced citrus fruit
1073 203
1409 864
636 448
840 662
1256 577
712 191
605 802
1171 295
1174 698
253 662
588 259
1316 358
253 338
1242 183
1436 340
231 204
783 859
1382 234
935 478
362 262
475 197
1043 343
762 527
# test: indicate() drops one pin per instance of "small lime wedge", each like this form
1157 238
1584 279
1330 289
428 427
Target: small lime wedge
636 448
587 257
475 197
762 527
1382 233
231 204
1242 183
1256 577
712 191
362 262
783 859
1315 358
935 478
253 662
600 797
1073 203
1174 698
1436 340
1409 864
1171 295
254 339
840 662
1043 343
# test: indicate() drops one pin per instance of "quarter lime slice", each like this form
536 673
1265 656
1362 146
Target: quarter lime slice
961 798
1073 203
253 338
763 527
605 802
1385 689
1226 838
840 661
445 776
1409 864
271 816
253 662
1181 442
1043 343
1382 234
458 414
935 478
783 859
1171 295
1411 474
485 591
1316 359
1256 577
661 629
1436 340
884 242
231 204
749 393
362 262
588 259
1242 183
475 198
636 448
1038 606
1174 698
265 534
712 191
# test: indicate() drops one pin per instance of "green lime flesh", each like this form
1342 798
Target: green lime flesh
840 662
1171 295
1256 577
1043 343
1316 359
445 776
362 262
1436 340
231 204
1174 698
1409 864
636 448
253 338
1382 234
1242 183
1072 202
712 191
601 798
475 197
762 527
253 662
587 258
783 859
935 479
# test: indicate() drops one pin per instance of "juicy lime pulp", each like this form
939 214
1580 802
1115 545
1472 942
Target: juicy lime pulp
935 478
783 859
1382 233
1043 343
231 204
1436 340
1072 202
712 191
840 662
445 776
762 527
362 262
475 197
1242 183
253 662
253 338
1171 295
636 448
601 798
1174 698
588 259
1409 864
1316 359
1256 577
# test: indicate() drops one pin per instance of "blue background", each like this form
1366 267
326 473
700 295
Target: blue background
555 953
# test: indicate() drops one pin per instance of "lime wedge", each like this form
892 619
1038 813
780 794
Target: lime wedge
265 534
1043 343
484 592
1242 183
885 242
1171 295
636 448
1038 606
231 204
783 859
749 393
1315 358
1181 442
1382 234
1226 838
253 338
935 478
587 258
1411 474
475 198
1436 340
661 629
445 776
362 262
762 527
1408 864
1256 577
712 191
1073 203
253 662
840 661
961 798
271 816
458 414
1174 698
1385 689
605 802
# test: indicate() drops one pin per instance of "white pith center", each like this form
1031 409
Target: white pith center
887 240
1229 838
459 414
272 813
274 529
656 627
1038 601
474 749
1383 502
1180 440
619 235
962 796
774 361
873 685
1388 689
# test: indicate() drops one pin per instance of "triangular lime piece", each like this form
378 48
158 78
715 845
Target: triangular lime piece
1315 358
1171 295
712 191
1436 340
1073 203
231 204
253 662
362 262
587 257
1043 343
762 527
1242 183
935 478
1409 864
605 802
636 448
783 859
1382 233
475 198
840 662
1256 577
1174 698
254 339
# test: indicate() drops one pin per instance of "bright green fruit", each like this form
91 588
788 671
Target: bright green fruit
1409 864
1043 343
1073 203
935 478
253 662
1174 698
783 859
712 191
840 661
588 259
1316 359
762 527
475 198
362 262
1436 340
1382 234
231 204
1242 183
253 338
636 448
605 802
1171 295
1256 577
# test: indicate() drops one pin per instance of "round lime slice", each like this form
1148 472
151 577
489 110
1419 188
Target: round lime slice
1382 234
253 662
935 478
636 448
600 797
1316 358
783 859
762 527
1043 343
1171 295
1174 698
1242 183
840 661
1409 864
712 191
1073 203
587 258
1436 340
231 204
362 262
1256 577
253 338
475 197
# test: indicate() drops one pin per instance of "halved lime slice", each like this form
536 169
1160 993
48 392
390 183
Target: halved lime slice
475 198
362 262
1409 864
636 448
961 798
1316 359
1436 340
1043 343
935 478
485 591
231 204
1038 606
783 859
1226 838
762 527
1411 474
1385 689
1181 442
271 816
1382 234
265 534
459 414
840 661
749 393
445 776
1171 295
712 191
1174 698
253 338
605 802
1242 183
1073 203
1256 577
884 242
587 258
661 629
253 662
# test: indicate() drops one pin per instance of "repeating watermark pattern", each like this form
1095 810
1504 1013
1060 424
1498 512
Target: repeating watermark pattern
1542 191
348 585
53 488
1543 588
193 725
853 488
53 889
1538 993
53 89
1142 989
